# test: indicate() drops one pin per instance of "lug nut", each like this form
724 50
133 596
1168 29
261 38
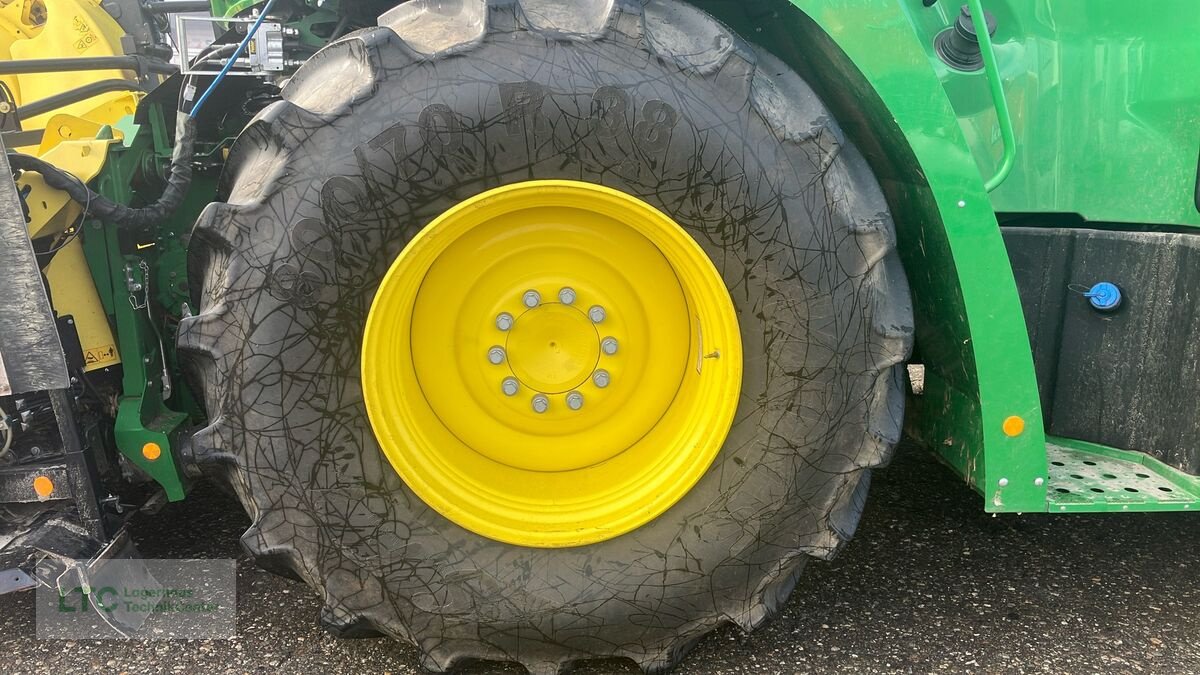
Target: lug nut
609 345
504 321
540 404
509 386
531 299
596 313
496 355
574 400
566 295
601 378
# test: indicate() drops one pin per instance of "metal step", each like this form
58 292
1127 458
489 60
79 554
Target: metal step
1085 477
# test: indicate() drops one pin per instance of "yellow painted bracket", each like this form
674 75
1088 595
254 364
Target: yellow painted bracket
71 144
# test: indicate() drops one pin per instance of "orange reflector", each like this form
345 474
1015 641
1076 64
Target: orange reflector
1013 425
151 451
43 486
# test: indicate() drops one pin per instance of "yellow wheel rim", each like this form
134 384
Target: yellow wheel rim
551 363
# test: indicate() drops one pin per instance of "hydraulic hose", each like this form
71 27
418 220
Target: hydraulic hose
138 64
119 214
50 103
262 15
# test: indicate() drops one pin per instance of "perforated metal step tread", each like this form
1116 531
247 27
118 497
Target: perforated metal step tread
1094 478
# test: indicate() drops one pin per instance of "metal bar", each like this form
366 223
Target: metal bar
45 105
20 139
992 71
81 471
178 6
14 580
135 63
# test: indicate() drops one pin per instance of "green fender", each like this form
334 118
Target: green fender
866 60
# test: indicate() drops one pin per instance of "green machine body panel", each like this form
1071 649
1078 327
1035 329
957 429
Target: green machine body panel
142 285
1106 131
873 69
1106 111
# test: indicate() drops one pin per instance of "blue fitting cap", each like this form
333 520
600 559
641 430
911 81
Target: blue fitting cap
1104 296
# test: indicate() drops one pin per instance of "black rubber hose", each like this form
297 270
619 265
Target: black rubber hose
137 64
45 105
119 214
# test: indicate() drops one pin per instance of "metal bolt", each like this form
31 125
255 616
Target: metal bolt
504 321
601 378
566 295
496 355
961 204
35 451
509 386
574 400
540 404
531 299
596 313
1039 481
1003 482
609 345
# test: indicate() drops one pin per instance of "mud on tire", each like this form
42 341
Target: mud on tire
385 129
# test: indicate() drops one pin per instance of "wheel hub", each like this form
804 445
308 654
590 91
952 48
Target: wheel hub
553 348
551 363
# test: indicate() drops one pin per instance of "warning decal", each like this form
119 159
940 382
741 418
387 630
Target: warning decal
98 356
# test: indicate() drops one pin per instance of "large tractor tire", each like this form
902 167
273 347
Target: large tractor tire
638 155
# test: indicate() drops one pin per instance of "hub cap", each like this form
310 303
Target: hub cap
551 363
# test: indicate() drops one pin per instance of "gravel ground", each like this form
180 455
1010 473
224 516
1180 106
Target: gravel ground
931 584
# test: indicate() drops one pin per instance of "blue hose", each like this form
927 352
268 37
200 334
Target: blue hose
234 57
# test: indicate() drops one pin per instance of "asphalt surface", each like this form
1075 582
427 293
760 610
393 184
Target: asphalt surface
931 584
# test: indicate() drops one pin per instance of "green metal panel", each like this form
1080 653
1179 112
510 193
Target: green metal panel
1090 478
125 275
227 8
872 66
1104 99
1101 120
